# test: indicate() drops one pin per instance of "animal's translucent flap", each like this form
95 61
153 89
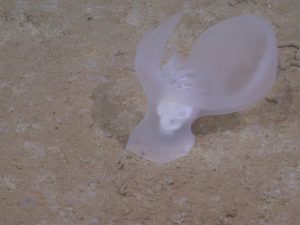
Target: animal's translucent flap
243 54
149 55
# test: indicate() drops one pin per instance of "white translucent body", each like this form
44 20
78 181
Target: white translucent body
231 65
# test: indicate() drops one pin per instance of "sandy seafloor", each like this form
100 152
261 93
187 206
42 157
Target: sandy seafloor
69 97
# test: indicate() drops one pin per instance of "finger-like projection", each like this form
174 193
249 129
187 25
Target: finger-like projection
231 65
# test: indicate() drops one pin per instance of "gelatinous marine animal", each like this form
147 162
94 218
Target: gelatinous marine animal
231 66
